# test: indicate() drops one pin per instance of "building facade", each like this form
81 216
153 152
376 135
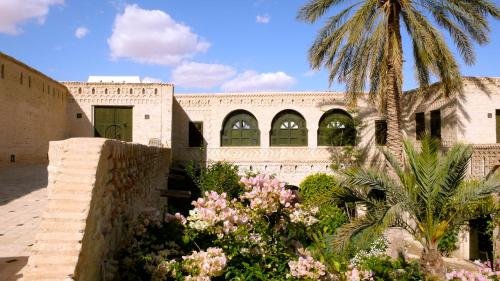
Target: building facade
289 134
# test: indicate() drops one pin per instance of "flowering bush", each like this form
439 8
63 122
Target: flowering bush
307 268
260 235
377 249
484 274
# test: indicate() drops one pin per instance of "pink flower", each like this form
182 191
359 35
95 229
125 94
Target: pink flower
307 268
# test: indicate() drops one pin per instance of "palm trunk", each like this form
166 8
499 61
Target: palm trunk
432 263
394 83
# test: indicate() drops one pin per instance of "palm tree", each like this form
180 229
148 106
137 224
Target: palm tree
427 197
363 43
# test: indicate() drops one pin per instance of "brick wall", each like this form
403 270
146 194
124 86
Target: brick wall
95 186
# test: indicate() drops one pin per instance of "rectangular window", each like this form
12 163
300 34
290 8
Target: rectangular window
195 134
2 71
436 124
380 132
419 124
29 81
21 78
497 113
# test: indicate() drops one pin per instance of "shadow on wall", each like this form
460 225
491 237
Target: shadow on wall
451 106
367 150
184 149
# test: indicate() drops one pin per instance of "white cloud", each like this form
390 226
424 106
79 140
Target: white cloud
15 12
253 81
81 32
311 72
263 19
151 80
201 75
152 36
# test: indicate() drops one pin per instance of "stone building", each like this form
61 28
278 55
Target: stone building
288 134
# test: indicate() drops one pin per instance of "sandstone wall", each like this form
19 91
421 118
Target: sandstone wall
95 186
291 164
477 110
151 99
32 113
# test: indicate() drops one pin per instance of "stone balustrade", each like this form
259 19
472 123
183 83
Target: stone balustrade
95 187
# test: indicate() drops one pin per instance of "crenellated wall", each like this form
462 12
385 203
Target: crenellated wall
95 186
32 113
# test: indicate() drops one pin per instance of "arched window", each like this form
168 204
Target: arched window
289 129
336 128
240 128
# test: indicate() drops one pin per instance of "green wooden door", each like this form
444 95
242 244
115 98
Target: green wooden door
113 122
289 129
240 129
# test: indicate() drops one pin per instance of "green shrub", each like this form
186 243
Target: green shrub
316 184
218 176
386 269
449 242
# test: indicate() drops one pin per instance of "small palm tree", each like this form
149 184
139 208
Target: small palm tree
427 197
363 43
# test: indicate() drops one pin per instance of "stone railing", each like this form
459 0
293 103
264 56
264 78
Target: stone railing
485 158
95 187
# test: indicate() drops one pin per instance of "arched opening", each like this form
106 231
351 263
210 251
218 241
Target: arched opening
288 129
336 128
240 128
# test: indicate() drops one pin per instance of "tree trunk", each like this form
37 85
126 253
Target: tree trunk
394 83
432 264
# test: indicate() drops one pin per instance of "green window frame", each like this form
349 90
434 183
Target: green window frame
336 128
240 128
288 129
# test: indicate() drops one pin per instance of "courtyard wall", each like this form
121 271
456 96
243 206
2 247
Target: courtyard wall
32 113
96 187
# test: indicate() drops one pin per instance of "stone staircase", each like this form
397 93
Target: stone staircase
58 242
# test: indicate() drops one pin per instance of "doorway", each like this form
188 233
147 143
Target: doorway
113 122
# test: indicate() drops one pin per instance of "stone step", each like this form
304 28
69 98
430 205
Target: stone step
63 220
73 178
86 162
62 260
69 202
46 275
55 251
70 206
61 226
65 215
70 170
51 236
68 184
71 195
44 246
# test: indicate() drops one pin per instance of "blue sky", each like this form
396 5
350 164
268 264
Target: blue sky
210 46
